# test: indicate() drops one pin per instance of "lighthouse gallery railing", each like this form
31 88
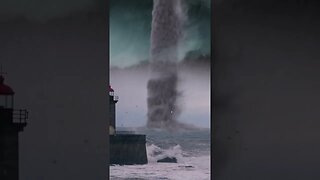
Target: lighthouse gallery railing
20 116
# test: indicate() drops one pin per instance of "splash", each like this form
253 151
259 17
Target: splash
163 108
155 153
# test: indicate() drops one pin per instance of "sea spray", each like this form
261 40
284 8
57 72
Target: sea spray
163 108
156 153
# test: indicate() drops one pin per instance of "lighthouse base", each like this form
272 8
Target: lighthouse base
128 149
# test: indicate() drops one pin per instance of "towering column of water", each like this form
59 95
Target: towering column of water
162 86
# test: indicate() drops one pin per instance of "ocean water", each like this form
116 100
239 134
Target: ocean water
190 148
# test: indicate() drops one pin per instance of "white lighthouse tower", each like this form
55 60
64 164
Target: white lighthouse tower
112 110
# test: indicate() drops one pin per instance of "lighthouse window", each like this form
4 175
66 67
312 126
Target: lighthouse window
9 101
2 101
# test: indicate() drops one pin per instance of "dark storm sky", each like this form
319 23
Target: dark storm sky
130 26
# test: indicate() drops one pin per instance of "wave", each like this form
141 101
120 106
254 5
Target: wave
188 167
156 153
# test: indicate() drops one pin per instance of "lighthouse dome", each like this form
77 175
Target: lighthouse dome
110 89
5 89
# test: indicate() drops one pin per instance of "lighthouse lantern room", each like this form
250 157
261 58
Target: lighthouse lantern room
6 95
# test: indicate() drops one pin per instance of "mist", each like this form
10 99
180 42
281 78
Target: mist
129 84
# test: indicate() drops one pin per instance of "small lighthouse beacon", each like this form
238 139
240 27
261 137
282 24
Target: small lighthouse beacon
112 108
12 122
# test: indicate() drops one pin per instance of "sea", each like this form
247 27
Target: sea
191 148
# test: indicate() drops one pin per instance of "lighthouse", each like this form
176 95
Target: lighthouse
12 121
125 149
112 110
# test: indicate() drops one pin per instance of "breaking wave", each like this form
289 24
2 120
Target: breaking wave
156 153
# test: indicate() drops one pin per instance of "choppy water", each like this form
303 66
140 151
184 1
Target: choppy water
190 148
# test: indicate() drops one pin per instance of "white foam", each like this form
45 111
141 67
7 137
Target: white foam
187 168
155 153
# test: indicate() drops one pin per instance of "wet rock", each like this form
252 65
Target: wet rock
168 160
188 166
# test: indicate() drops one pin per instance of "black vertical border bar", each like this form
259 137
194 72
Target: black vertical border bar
107 6
212 55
